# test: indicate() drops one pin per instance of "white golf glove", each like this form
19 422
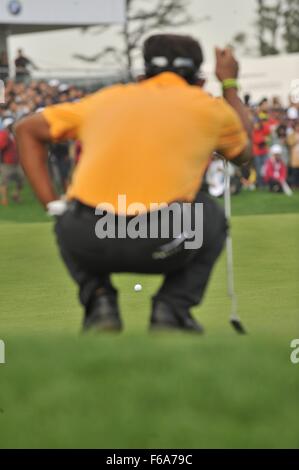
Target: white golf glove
56 208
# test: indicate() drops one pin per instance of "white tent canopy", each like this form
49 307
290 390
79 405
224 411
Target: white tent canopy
263 77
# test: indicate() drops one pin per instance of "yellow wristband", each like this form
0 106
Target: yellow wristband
230 83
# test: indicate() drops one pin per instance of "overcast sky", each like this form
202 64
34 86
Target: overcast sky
55 49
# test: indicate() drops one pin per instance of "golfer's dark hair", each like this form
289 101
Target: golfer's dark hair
172 47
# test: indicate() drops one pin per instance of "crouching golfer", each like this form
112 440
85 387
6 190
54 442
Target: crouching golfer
143 144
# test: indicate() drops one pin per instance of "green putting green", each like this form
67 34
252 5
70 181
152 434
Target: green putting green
59 389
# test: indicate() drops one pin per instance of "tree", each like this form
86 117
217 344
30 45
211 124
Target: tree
291 25
143 18
277 27
240 42
268 25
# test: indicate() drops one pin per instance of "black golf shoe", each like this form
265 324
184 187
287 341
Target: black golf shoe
165 317
103 315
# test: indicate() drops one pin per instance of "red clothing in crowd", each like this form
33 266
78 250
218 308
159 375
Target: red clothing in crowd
273 123
260 140
8 148
275 170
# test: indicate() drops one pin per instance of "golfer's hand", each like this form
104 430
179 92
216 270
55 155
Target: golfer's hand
226 64
57 208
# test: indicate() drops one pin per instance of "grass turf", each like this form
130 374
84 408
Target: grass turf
247 203
59 389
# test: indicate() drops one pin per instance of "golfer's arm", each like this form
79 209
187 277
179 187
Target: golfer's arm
33 135
231 96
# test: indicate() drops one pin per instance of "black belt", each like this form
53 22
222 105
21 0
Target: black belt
76 206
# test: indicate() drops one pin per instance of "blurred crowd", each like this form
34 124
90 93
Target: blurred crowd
275 139
23 99
275 142
276 132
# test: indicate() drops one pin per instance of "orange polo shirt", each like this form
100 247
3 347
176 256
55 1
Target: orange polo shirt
149 141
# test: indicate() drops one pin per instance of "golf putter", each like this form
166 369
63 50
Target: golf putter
234 318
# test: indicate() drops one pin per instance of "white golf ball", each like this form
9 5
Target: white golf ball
138 288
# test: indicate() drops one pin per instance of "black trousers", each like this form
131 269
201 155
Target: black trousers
91 260
295 177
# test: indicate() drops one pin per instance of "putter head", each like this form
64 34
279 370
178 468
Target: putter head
238 327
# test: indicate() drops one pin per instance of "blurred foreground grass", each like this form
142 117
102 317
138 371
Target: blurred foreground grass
59 389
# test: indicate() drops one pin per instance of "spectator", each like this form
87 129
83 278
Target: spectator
280 138
261 136
2 116
22 65
10 170
215 177
293 111
60 160
4 66
263 109
248 178
247 100
273 119
275 170
293 142
276 103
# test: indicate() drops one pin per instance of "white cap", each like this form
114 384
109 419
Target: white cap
276 150
63 87
54 83
293 113
7 122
